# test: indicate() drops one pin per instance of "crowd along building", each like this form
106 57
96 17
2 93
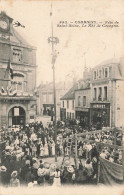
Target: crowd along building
17 76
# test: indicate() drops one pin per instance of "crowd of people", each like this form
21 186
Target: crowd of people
24 152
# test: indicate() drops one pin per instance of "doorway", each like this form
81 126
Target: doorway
16 116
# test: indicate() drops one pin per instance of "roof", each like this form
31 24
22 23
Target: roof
110 61
49 86
16 33
71 93
17 37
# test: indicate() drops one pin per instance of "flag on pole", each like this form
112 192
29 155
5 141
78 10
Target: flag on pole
2 89
9 68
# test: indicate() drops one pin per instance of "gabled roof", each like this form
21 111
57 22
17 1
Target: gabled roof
18 38
49 86
70 95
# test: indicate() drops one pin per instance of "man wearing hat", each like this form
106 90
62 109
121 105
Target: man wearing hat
3 173
41 179
68 175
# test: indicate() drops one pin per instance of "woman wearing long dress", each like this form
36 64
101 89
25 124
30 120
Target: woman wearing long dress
46 150
53 148
41 151
57 181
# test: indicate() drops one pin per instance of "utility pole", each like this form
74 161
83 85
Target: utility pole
54 40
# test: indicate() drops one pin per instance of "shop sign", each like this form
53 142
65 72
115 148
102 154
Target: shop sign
99 106
82 109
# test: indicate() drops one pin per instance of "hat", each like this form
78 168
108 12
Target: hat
70 169
14 174
27 162
3 169
40 172
52 166
8 148
46 165
66 163
35 159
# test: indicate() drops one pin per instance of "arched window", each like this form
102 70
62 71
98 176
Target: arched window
18 82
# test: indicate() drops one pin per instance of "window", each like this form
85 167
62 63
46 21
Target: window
63 104
84 100
100 74
17 55
105 93
95 93
73 104
94 74
67 103
106 72
67 115
100 94
103 72
79 100
72 115
18 83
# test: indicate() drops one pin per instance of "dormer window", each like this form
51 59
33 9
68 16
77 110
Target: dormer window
100 74
106 72
94 75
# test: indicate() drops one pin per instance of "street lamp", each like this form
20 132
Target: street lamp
54 40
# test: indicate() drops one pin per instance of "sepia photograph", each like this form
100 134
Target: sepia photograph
62 97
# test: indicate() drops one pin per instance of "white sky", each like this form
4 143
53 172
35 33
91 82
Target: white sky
100 43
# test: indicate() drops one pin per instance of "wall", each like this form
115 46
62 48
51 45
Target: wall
85 92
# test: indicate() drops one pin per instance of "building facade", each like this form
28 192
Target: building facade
67 110
82 103
107 94
46 99
17 76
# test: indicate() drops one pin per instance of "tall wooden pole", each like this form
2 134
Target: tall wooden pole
54 40
76 150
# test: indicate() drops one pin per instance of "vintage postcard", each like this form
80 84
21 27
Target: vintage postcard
62 97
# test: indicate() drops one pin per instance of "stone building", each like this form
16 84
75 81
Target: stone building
67 110
46 98
17 76
82 102
107 94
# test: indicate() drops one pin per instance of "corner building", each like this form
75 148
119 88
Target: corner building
107 83
17 98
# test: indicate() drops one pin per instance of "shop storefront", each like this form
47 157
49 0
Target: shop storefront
100 115
48 109
83 115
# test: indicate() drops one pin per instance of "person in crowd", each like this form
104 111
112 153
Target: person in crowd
89 168
14 181
57 181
